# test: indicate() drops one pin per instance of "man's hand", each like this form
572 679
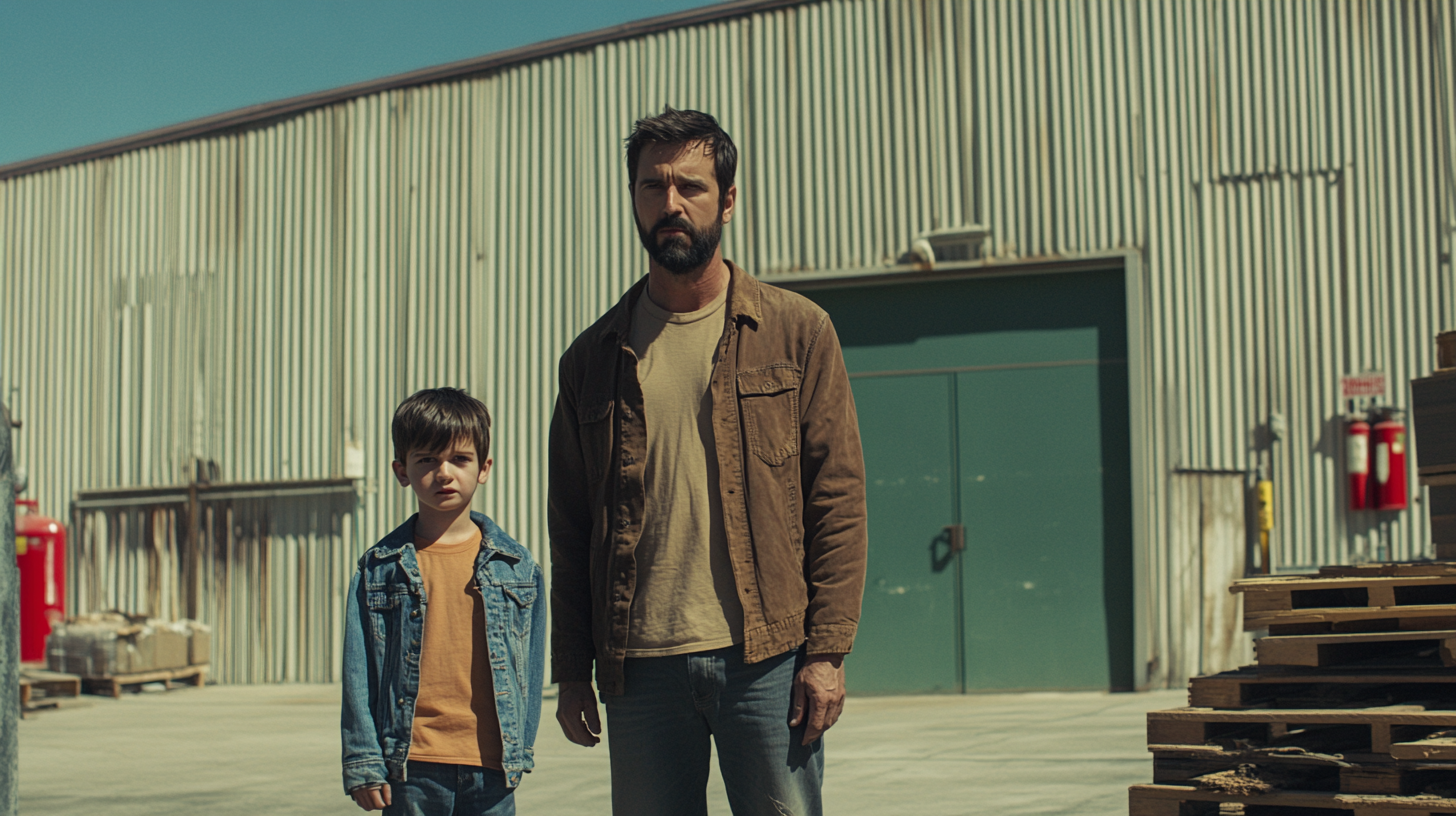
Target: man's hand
818 694
372 797
576 710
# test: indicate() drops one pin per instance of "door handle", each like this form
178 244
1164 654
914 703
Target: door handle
957 535
952 539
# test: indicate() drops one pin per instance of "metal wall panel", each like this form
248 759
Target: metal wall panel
264 297
269 577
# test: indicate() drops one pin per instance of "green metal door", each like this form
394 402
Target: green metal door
912 596
999 405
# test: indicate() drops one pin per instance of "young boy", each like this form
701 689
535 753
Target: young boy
444 636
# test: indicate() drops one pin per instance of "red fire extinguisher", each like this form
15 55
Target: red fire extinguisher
1357 461
40 552
1388 462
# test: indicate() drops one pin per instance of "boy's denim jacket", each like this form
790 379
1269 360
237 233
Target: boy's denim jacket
383 628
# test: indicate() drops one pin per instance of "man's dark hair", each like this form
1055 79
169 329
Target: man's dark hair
433 418
680 127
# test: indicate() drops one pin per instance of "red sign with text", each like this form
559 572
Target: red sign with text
1369 384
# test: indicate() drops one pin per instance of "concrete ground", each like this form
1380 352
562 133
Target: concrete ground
225 750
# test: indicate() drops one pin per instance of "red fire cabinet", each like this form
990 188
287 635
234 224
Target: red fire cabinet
40 551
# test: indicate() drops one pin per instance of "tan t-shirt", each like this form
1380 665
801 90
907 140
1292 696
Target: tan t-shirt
686 599
455 718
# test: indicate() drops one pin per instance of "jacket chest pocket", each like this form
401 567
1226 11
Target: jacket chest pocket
519 600
386 610
594 428
768 401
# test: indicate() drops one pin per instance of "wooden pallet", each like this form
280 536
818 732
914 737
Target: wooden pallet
111 686
1404 650
1440 746
51 684
1186 800
1283 687
1366 619
1369 731
1296 768
1356 600
46 689
1389 568
1301 770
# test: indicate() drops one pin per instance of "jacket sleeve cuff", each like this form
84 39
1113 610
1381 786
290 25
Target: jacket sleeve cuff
569 668
361 772
831 639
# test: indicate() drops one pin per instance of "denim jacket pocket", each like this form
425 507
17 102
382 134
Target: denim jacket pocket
523 595
595 430
768 401
384 611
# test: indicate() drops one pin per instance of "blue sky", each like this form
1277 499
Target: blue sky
76 72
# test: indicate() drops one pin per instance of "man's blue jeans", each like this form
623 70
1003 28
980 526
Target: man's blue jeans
437 789
658 732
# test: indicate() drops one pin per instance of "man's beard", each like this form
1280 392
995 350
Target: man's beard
681 254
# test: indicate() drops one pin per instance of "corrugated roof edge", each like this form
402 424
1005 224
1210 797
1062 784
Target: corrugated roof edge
258 114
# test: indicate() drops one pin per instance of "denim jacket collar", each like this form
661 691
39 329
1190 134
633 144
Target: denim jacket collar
491 537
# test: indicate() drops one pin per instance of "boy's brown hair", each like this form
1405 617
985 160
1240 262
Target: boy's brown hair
433 418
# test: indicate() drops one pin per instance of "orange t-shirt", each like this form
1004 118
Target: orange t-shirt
455 717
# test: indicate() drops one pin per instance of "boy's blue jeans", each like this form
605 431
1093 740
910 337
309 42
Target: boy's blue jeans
435 789
659 730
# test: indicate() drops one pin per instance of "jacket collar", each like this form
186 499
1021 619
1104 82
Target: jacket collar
492 537
745 299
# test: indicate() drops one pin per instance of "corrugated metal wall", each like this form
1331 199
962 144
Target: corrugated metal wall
269 577
263 298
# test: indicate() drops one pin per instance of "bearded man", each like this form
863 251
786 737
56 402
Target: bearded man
707 509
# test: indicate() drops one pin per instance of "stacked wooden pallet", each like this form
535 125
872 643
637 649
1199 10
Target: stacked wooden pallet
1351 706
46 689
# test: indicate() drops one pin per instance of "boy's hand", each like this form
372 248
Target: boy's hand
576 710
372 797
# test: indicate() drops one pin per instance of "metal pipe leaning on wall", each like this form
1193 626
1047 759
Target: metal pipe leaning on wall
9 632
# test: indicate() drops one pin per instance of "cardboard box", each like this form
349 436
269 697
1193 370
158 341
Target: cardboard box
111 643
199 648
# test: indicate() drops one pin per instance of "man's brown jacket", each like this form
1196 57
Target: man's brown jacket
791 475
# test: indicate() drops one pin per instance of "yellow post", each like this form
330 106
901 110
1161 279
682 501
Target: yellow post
1265 490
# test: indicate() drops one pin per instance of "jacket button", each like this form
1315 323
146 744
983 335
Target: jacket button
401 702
414 613
621 524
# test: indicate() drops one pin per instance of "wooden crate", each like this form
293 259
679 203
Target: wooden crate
1433 404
